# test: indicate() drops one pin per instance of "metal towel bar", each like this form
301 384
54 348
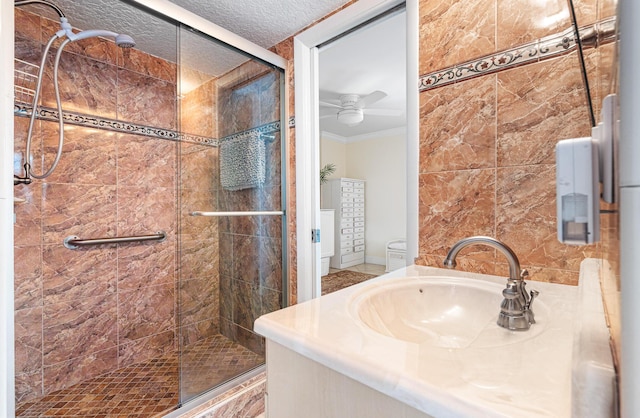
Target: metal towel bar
249 213
72 242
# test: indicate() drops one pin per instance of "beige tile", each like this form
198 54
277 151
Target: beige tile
473 261
146 210
86 211
78 274
199 300
142 349
455 205
145 161
88 155
587 10
198 110
86 85
454 31
27 277
27 230
458 126
200 258
66 373
522 21
198 162
140 62
146 264
78 328
28 341
145 312
607 8
27 25
538 105
135 93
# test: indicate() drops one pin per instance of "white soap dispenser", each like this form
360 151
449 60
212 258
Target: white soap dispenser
578 191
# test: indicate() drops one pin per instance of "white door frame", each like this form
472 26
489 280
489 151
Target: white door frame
7 32
308 134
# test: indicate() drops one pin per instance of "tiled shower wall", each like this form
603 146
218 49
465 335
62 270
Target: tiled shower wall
250 246
487 164
80 313
199 287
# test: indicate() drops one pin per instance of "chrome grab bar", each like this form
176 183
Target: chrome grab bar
250 213
72 242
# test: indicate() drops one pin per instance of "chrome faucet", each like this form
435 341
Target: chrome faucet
515 309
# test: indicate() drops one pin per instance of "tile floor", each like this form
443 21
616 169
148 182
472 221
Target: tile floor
376 269
340 278
147 389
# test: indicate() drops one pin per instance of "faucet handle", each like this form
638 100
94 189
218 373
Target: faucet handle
532 295
528 311
524 273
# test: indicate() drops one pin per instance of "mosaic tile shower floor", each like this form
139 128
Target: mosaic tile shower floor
147 389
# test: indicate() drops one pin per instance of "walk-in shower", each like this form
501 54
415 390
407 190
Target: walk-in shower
168 259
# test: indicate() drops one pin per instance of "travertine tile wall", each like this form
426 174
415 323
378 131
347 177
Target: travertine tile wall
80 313
199 276
487 164
250 247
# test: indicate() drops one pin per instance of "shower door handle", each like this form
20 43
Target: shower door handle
245 213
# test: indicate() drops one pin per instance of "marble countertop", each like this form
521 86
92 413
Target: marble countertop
531 378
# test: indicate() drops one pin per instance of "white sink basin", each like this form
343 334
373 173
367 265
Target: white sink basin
447 312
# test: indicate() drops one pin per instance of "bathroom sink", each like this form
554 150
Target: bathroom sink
447 312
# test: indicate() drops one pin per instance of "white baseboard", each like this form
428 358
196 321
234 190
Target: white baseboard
370 259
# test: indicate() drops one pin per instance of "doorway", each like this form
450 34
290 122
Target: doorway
362 122
309 47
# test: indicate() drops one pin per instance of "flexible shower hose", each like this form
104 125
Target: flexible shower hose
34 111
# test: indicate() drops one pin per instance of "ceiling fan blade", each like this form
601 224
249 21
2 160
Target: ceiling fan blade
328 104
370 99
324 111
383 112
329 96
333 115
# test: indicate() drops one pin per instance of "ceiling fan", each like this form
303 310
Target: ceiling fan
350 109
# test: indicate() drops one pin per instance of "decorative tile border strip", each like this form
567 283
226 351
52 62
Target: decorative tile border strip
266 129
539 50
79 119
72 118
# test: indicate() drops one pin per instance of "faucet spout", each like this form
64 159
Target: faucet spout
515 310
514 265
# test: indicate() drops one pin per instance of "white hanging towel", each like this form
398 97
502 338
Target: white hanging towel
242 162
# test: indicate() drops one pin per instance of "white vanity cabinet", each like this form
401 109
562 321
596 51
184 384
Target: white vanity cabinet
346 196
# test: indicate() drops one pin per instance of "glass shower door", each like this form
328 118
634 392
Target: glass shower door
231 248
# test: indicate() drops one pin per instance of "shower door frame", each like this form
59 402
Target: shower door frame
7 355
189 19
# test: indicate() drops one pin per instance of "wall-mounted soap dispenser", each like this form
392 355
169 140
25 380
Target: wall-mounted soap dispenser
578 191
582 164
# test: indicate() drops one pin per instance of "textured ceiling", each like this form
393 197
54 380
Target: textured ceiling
367 60
264 22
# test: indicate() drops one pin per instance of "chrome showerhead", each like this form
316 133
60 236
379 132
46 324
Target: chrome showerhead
122 40
125 41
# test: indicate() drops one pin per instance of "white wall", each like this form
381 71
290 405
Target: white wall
333 150
380 160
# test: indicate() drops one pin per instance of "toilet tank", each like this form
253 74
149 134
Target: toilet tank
327 232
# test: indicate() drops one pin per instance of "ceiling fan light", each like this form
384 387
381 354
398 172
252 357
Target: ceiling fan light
350 117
